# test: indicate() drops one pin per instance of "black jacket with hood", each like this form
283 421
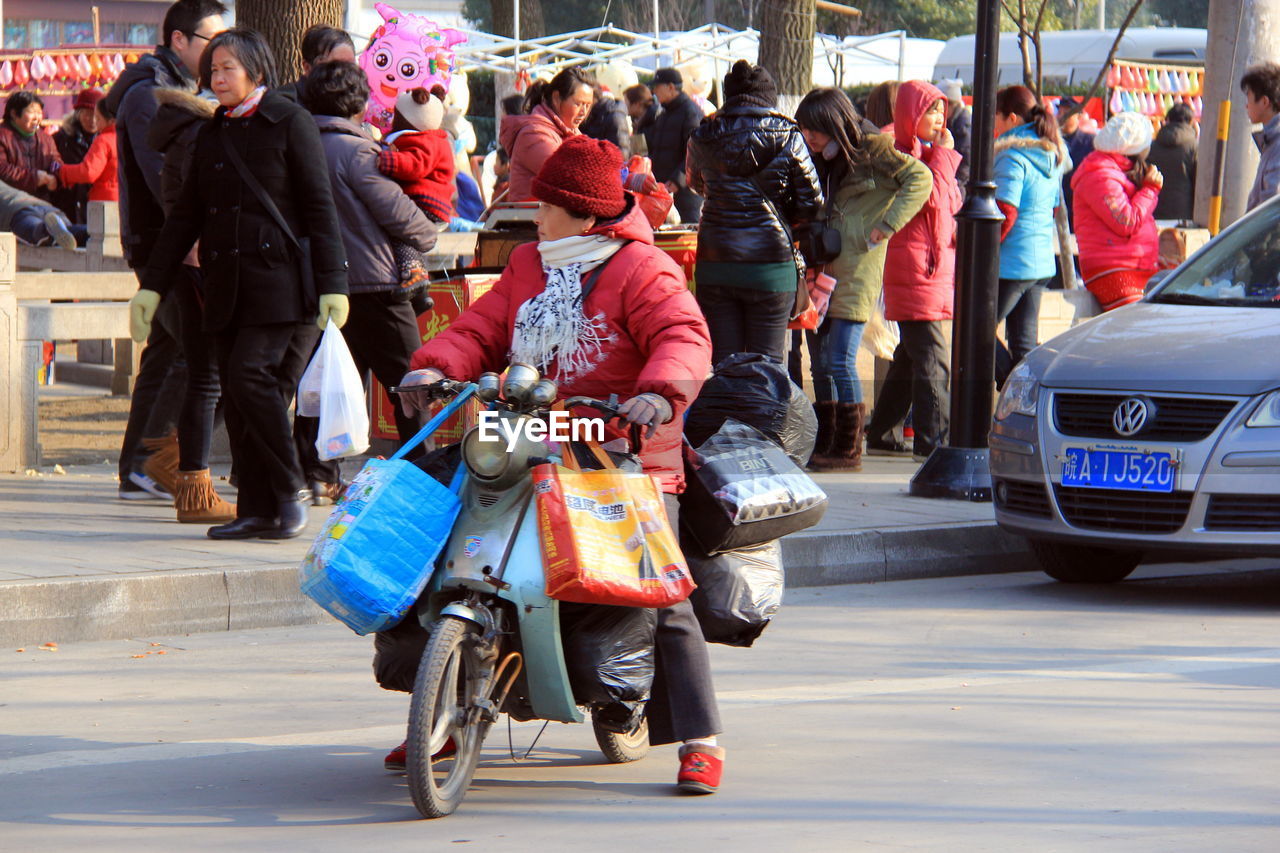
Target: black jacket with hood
1174 154
132 103
608 120
741 151
179 116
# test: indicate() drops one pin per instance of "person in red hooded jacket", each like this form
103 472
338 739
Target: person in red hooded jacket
919 282
554 110
639 334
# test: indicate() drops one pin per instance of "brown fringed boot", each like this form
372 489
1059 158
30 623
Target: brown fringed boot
846 447
161 464
826 412
197 502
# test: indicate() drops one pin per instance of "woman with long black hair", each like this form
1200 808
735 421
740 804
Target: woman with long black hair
872 191
257 197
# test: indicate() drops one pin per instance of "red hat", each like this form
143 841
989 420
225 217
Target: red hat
88 99
583 175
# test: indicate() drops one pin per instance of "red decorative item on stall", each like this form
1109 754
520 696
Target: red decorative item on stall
21 76
95 66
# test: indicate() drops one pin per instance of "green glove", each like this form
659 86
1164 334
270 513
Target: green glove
142 309
333 306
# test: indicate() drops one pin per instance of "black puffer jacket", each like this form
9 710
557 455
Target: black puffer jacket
608 120
741 143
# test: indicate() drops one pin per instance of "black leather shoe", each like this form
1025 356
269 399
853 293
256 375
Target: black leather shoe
293 517
248 527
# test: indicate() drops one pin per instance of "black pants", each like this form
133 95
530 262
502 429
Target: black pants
200 402
682 703
260 367
917 380
382 334
1018 305
744 320
157 389
689 205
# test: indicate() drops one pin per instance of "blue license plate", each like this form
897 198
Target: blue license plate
1130 470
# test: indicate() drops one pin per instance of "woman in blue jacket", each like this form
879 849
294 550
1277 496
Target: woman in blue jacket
1030 161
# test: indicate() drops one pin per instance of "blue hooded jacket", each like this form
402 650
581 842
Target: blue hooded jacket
1028 176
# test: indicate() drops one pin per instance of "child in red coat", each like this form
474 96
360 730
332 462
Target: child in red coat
419 156
98 168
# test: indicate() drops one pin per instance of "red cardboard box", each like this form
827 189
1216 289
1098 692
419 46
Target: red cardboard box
451 297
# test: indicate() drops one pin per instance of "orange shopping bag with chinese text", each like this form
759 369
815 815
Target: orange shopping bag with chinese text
606 538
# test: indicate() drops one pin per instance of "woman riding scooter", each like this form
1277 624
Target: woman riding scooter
639 334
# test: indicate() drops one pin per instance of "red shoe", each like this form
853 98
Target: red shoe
397 758
700 769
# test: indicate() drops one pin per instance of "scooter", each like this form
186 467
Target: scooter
495 643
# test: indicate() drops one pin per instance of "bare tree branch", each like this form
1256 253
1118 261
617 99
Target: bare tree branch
1111 55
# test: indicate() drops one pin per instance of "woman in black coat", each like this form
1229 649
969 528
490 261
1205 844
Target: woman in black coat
259 306
752 165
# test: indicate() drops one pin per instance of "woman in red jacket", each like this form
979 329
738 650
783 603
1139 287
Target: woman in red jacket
919 282
1115 196
638 334
29 159
555 110
98 168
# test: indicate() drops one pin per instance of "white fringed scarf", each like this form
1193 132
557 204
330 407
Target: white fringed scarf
551 331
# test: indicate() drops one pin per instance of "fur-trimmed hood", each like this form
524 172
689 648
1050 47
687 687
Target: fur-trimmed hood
177 110
1038 151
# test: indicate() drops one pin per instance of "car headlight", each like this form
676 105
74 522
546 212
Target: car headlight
1019 395
1268 413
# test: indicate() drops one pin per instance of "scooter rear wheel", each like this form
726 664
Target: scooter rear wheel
443 713
623 748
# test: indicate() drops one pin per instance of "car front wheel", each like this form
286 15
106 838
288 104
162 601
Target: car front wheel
1084 563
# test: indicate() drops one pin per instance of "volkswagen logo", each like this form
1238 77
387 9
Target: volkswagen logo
1130 416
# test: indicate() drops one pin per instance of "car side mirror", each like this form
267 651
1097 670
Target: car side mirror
1156 277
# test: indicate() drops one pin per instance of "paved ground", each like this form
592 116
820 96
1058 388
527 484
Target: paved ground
77 563
1000 712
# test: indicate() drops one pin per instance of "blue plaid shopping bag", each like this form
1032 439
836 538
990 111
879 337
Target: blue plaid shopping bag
376 551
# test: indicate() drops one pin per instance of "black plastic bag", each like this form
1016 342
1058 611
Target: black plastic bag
738 593
608 652
757 391
742 491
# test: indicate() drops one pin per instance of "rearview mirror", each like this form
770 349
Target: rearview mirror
1156 277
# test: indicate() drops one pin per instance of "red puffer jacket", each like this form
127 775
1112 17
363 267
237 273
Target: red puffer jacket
1115 220
920 268
530 140
422 162
660 339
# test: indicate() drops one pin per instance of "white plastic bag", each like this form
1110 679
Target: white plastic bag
880 337
331 390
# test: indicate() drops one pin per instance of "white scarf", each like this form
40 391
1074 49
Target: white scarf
551 331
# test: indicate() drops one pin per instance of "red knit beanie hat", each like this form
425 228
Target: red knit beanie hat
583 175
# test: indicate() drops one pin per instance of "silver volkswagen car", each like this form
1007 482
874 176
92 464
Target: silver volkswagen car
1155 426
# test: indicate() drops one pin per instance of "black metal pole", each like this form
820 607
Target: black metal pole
961 470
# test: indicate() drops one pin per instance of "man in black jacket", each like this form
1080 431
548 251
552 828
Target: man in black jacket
188 27
608 121
669 140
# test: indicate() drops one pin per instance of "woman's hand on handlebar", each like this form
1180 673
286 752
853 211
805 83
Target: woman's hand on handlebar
418 401
646 410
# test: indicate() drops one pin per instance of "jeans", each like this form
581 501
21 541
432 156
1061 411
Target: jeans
28 225
200 402
158 388
744 320
917 381
837 365
1019 306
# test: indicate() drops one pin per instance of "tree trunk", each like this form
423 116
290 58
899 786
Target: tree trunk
531 22
786 47
282 24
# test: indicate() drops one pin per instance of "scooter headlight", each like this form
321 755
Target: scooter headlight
519 383
485 455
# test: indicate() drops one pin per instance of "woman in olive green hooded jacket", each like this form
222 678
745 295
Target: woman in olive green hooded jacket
872 191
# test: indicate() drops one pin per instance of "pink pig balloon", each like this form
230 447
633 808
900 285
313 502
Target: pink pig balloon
406 52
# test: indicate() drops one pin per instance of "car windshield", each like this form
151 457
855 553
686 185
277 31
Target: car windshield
1242 268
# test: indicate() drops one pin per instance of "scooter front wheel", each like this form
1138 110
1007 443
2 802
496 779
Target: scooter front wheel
623 748
446 726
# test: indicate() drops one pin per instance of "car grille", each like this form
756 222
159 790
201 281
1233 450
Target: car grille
1023 498
1123 511
1176 418
1243 512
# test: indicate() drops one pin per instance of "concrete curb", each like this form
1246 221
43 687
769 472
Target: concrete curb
84 609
